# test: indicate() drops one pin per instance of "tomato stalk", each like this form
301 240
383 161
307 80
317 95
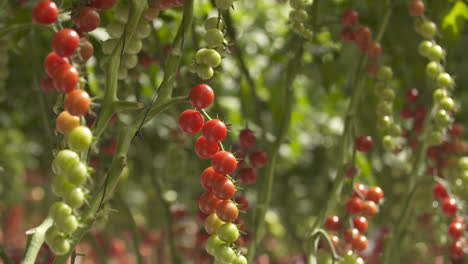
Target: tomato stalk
36 237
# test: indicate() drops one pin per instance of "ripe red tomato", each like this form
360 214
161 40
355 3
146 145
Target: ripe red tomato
373 50
354 205
66 78
191 121
77 102
205 149
242 202
47 84
87 20
375 194
369 209
53 62
208 203
347 34
65 42
333 223
449 206
201 96
416 8
352 171
102 4
359 243
66 122
456 130
412 95
334 240
86 50
360 190
208 177
439 192
258 159
248 175
360 223
362 37
456 229
457 249
364 143
45 12
224 162
350 234
350 17
227 211
223 188
246 138
214 131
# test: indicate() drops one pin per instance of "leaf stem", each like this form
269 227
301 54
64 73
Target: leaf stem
35 240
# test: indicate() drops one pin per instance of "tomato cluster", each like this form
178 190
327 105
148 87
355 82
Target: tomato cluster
298 17
220 187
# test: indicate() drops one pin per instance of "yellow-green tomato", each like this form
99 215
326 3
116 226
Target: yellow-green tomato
212 223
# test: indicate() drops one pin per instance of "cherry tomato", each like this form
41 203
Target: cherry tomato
240 260
364 143
416 8
439 192
59 210
53 62
456 229
65 42
227 211
354 205
242 202
333 223
224 253
247 138
208 203
457 249
80 138
86 50
66 122
205 149
77 102
223 188
73 196
334 240
211 243
87 20
60 246
350 17
201 96
57 184
78 174
347 34
47 85
224 162
449 206
360 223
208 177
248 175
362 36
67 224
456 130
373 50
212 223
228 232
359 243
214 131
369 209
375 194
65 160
359 190
66 78
258 159
102 4
191 121
45 12
350 234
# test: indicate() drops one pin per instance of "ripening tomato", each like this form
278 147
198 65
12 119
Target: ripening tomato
359 243
223 188
208 203
375 194
66 122
227 211
350 234
369 209
212 223
77 102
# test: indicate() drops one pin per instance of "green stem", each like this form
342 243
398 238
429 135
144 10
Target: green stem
35 240
135 233
127 105
288 95
3 254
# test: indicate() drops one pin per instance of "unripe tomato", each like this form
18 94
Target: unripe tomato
78 174
60 246
240 260
224 253
80 138
212 223
204 71
67 224
228 232
73 196
214 37
59 210
66 122
224 4
211 244
212 22
65 160
57 184
51 234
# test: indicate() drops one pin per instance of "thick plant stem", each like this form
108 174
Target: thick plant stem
135 233
35 240
288 95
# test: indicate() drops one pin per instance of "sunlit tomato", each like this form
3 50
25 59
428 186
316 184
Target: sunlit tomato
375 194
77 102
227 211
45 12
65 42
333 223
201 96
354 205
66 122
359 243
360 223
369 209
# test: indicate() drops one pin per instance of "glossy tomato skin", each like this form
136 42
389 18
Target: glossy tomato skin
455 229
45 12
359 243
77 102
350 234
364 143
354 205
66 122
439 192
214 130
258 159
227 211
375 194
205 149
224 162
66 78
359 190
53 62
248 175
369 209
191 121
208 203
201 96
333 223
449 206
87 20
65 42
360 223
208 177
223 188
102 4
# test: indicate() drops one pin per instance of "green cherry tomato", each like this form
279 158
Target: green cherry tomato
78 174
384 108
447 104
388 95
143 29
298 15
384 122
385 73
60 246
297 4
228 232
324 257
200 55
64 160
211 243
224 253
440 94
444 80
133 46
67 224
428 29
224 4
424 48
241 260
212 223
115 29
442 118
212 22
51 234
394 130
463 163
387 142
121 12
204 71
59 210
109 45
436 53
214 37
73 196
57 184
433 69
435 137
129 60
80 138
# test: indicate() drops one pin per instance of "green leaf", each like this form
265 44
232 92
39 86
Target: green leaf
454 21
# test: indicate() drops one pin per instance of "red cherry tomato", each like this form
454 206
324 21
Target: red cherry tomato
439 192
208 177
360 223
102 4
350 17
375 194
248 175
223 188
369 209
354 205
201 96
214 131
191 121
87 20
208 203
65 42
243 202
247 138
66 78
258 159
77 102
359 243
53 62
449 206
333 223
359 190
205 149
45 12
224 162
227 211
364 143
